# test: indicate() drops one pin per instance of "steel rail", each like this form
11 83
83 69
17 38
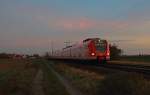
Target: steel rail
142 69
129 68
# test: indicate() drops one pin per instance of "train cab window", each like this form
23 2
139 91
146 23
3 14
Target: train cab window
101 45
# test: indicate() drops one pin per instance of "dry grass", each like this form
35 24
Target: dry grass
85 81
51 84
124 84
113 84
19 79
82 73
130 62
9 64
135 60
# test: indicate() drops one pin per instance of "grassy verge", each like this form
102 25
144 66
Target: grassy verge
90 83
83 80
18 80
124 84
136 58
51 84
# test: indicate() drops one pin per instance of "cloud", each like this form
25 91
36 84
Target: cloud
55 21
78 24
87 23
25 43
33 22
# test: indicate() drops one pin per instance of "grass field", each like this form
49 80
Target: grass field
17 77
136 58
84 81
9 64
90 83
51 84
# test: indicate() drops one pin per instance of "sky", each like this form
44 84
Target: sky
30 26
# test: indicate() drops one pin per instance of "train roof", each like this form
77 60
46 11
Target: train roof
67 47
88 39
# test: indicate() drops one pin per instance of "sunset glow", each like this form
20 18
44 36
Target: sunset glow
33 24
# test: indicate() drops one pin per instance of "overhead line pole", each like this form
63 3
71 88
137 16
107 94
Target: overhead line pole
52 48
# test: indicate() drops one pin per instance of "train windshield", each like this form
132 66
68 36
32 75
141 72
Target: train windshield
101 45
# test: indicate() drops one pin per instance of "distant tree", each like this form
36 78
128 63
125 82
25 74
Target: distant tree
4 55
36 55
115 52
46 55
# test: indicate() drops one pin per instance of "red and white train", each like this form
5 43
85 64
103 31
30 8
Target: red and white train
91 49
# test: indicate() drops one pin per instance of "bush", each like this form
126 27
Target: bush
4 55
115 52
124 84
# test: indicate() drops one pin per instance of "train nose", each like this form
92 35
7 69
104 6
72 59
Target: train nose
101 60
99 54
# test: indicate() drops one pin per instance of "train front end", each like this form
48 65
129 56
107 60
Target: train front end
100 50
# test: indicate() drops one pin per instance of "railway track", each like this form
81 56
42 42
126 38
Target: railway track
111 68
129 68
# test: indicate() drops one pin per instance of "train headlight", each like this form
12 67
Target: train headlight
108 53
92 53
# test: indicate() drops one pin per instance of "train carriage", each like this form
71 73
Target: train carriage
91 49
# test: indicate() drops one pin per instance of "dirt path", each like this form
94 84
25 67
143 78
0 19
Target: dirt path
37 84
71 90
37 88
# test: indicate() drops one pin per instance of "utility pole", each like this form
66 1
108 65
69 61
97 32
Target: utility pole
52 48
68 44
